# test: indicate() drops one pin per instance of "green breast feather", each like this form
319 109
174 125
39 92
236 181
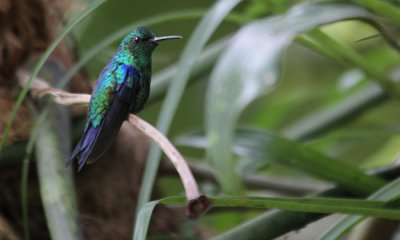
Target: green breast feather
103 94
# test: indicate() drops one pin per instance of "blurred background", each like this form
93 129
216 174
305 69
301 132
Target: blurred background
279 98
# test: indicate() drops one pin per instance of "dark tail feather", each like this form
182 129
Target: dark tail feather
84 148
96 141
79 155
74 154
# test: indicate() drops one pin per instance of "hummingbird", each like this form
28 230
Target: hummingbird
123 87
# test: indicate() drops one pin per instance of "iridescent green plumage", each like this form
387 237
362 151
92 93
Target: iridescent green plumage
123 87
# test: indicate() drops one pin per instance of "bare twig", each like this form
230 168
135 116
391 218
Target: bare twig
197 202
40 88
176 158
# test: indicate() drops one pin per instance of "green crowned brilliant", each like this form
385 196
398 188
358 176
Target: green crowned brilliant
122 88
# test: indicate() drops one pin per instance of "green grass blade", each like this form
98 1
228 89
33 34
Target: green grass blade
24 197
143 220
383 8
265 147
342 227
249 68
56 184
388 193
25 172
341 207
93 6
197 41
321 119
205 61
144 215
274 223
313 205
344 52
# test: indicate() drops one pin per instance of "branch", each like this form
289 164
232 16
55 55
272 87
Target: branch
197 202
39 88
176 158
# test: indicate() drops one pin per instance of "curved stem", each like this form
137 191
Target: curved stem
174 156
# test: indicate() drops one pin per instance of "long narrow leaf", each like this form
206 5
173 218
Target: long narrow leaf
388 193
204 62
40 121
322 119
143 220
265 147
347 53
315 205
56 184
275 223
249 68
383 8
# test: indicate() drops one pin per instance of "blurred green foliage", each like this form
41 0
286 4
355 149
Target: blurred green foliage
327 105
311 82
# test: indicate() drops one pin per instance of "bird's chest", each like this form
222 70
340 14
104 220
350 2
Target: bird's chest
141 95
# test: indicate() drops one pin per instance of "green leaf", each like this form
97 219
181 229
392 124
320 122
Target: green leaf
274 223
249 68
40 121
205 61
341 51
322 119
263 146
56 182
386 155
383 8
143 220
144 215
315 205
93 6
390 192
196 42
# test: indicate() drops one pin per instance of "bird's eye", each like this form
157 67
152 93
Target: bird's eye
137 40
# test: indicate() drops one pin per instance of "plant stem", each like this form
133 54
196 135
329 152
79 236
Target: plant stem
188 181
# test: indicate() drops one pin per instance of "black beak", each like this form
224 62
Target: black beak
159 39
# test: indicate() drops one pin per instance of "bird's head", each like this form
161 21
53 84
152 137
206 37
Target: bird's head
141 42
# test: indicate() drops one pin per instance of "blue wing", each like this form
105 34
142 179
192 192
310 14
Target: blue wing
106 115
